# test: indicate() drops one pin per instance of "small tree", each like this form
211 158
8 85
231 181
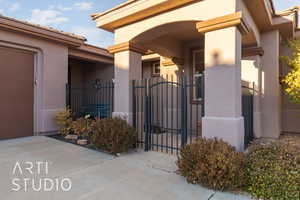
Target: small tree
292 79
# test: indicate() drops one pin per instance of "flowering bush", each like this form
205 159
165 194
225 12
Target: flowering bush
292 79
64 120
83 126
273 172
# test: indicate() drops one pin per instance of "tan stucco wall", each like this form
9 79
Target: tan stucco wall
52 71
76 73
147 69
100 71
83 71
290 110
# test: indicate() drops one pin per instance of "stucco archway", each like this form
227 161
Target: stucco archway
168 39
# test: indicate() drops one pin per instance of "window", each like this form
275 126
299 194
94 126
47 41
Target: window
197 73
156 68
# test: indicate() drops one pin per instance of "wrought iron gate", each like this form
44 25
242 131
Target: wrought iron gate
95 98
167 111
247 109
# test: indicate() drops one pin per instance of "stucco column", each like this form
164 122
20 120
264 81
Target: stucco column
128 66
223 105
271 94
257 113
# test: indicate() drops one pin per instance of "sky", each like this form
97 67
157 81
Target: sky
74 16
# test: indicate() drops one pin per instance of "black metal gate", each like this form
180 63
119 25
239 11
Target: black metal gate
95 98
167 111
247 109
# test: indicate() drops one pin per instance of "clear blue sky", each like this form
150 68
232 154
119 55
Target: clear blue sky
74 16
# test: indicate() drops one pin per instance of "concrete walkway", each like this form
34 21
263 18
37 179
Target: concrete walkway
94 175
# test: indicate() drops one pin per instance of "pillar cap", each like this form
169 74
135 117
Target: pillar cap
126 46
235 19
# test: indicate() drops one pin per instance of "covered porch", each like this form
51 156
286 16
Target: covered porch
224 46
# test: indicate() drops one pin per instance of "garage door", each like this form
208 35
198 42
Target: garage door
16 93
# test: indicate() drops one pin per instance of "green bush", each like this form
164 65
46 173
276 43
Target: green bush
273 172
212 163
113 135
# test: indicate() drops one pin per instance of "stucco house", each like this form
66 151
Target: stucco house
228 45
231 42
36 63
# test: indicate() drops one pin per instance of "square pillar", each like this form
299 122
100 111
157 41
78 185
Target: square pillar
223 99
223 87
128 67
271 89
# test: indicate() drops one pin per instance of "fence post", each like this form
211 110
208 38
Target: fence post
133 104
183 112
68 95
202 82
147 117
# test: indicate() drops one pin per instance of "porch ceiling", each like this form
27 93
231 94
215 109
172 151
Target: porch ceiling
181 31
169 39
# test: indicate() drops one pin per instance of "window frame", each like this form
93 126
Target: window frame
153 65
193 75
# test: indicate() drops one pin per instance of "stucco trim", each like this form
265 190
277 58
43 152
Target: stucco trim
235 19
41 32
126 46
140 14
91 53
253 51
172 61
122 5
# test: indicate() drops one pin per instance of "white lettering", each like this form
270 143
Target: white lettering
14 182
30 167
69 184
17 166
34 186
25 183
48 180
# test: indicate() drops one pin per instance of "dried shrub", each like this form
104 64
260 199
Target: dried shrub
212 163
83 126
273 171
63 119
113 135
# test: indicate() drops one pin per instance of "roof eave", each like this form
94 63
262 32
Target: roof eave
38 31
138 15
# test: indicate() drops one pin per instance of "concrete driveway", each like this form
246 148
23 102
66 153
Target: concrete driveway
140 175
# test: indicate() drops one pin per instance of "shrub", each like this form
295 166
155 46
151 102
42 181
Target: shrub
63 119
212 163
82 126
113 135
273 172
